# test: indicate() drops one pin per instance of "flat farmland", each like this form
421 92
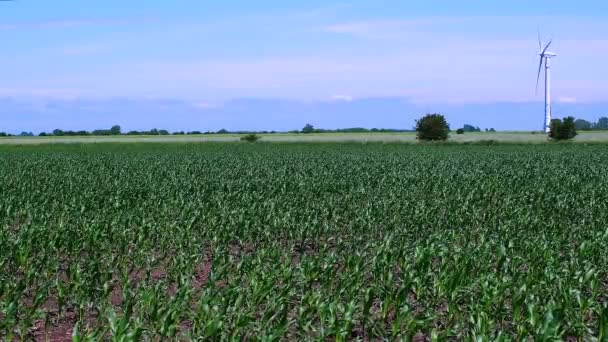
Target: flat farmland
304 241
504 137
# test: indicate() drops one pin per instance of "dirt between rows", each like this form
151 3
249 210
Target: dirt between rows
61 326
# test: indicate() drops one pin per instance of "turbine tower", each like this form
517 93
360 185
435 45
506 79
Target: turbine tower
545 56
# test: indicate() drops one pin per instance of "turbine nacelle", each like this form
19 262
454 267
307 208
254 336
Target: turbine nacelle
548 54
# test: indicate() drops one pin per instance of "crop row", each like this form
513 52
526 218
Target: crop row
304 241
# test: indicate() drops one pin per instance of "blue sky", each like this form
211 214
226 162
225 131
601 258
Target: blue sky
202 65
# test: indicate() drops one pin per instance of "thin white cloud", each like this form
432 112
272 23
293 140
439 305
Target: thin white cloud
565 99
204 105
84 50
392 29
489 27
70 23
51 93
341 97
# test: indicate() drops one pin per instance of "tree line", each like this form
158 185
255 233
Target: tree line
584 125
579 124
308 128
117 130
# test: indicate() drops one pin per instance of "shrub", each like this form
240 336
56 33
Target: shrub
432 127
484 142
562 130
251 138
460 131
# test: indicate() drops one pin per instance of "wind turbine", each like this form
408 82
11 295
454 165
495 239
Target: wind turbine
545 56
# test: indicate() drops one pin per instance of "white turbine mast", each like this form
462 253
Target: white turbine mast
545 57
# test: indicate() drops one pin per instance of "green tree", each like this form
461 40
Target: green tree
471 128
58 132
582 125
308 129
432 127
602 123
115 130
562 130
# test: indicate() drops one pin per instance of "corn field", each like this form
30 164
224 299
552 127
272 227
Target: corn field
214 241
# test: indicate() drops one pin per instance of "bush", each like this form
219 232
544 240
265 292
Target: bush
432 127
460 131
251 138
562 130
485 142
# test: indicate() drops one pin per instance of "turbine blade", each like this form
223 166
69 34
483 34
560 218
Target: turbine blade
540 42
547 47
540 66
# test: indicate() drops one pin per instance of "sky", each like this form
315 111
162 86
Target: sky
277 65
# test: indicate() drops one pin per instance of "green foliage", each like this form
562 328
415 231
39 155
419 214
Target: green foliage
101 132
602 123
115 130
460 131
251 138
482 142
583 125
308 129
563 130
471 128
340 242
432 127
